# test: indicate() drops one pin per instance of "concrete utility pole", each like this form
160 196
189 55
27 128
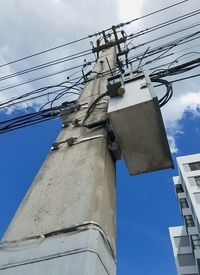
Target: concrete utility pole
66 222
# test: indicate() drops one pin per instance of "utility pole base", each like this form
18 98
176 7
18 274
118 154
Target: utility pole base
81 252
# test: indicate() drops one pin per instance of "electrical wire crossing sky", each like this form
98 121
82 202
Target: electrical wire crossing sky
42 72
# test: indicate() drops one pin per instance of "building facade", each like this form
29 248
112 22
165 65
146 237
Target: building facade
186 239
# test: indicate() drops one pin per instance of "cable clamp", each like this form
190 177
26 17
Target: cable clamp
144 85
69 141
73 141
76 122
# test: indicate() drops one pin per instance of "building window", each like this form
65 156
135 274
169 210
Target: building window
179 188
194 166
198 264
194 181
197 197
186 259
189 221
183 203
182 241
192 209
195 241
197 179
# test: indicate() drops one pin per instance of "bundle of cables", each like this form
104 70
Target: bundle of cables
28 119
169 92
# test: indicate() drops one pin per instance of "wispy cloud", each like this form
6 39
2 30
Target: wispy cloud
172 144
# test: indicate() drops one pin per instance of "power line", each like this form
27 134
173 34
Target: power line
39 78
44 51
47 64
174 53
169 34
61 94
185 78
163 47
149 14
180 79
182 68
163 24
41 90
14 102
88 52
90 36
63 88
35 91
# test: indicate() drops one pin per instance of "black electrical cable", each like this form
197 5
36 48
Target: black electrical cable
36 91
73 82
46 114
39 78
92 106
47 64
192 66
174 53
143 56
189 48
90 36
31 119
180 79
185 78
159 49
162 57
162 25
44 51
167 35
174 43
24 126
27 118
44 88
19 84
177 59
64 92
182 68
20 102
169 92
148 14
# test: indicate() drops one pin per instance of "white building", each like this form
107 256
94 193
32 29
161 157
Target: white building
186 239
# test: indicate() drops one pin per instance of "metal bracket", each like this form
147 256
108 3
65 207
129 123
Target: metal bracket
69 141
112 143
74 140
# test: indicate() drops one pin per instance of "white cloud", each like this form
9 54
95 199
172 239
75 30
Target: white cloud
172 144
129 9
30 26
174 113
176 108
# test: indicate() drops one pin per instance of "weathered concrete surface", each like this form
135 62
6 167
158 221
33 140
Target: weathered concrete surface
75 184
79 253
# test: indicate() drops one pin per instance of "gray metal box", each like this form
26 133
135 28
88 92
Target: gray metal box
137 123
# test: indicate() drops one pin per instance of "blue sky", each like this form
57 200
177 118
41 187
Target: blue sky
146 204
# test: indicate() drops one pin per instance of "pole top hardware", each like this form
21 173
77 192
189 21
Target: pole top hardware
110 40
